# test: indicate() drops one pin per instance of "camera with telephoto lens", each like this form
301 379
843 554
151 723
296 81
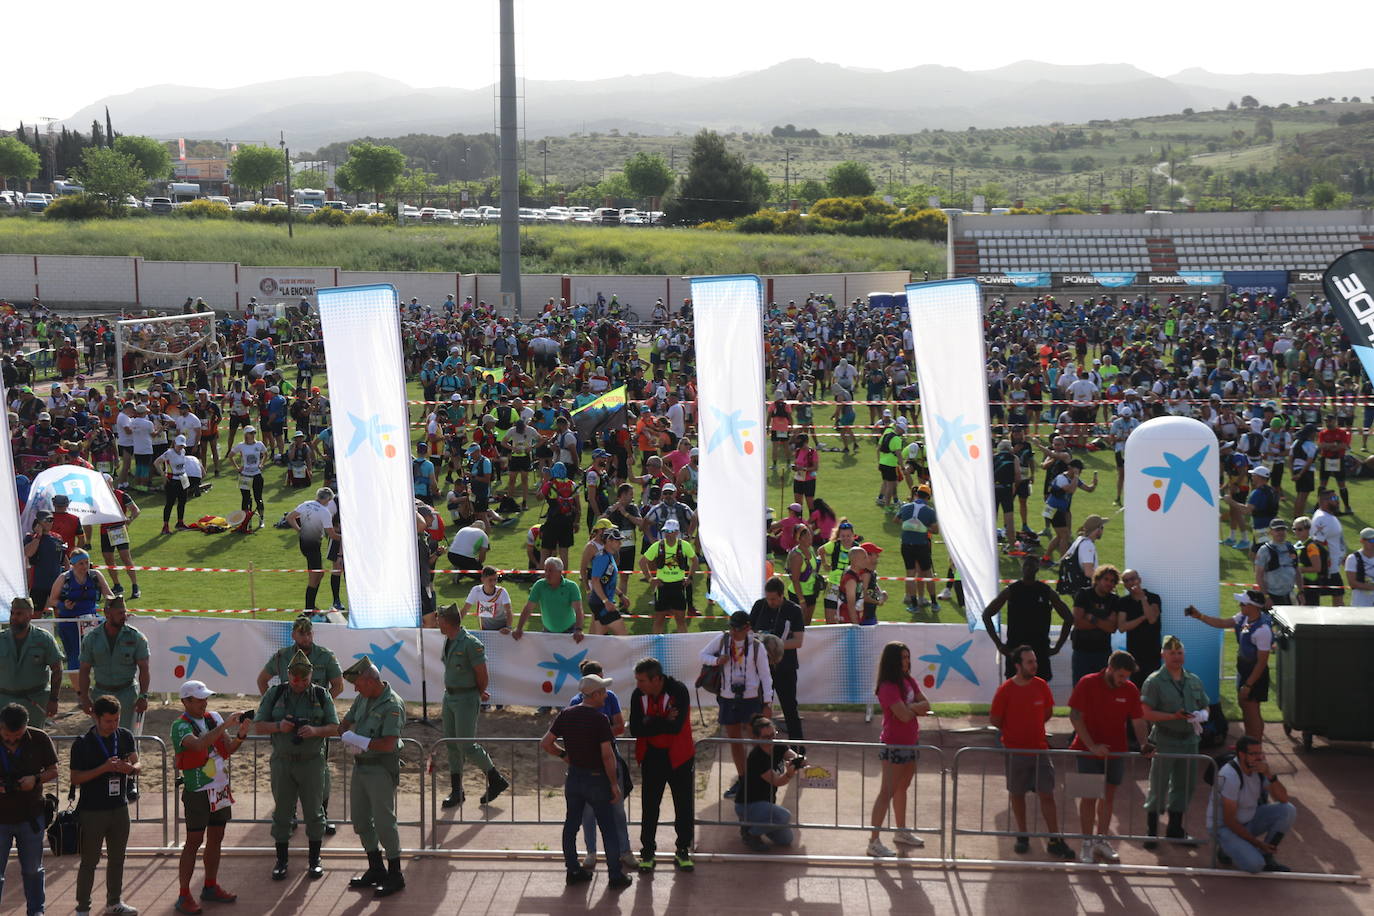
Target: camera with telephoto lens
247 716
798 762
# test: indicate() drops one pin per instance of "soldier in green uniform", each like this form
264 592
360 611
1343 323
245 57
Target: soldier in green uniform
31 665
465 689
1170 695
326 673
299 768
371 732
116 655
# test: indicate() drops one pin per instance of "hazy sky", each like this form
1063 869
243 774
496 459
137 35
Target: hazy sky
454 44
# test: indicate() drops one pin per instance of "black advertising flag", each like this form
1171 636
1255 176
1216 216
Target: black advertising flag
1349 285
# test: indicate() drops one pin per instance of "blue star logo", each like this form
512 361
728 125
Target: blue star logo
385 659
1182 472
730 426
564 668
953 432
950 660
373 432
200 650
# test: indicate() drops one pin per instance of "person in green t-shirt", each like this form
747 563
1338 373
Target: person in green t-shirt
559 601
890 447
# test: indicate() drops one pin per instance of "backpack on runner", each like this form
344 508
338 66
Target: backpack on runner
1072 579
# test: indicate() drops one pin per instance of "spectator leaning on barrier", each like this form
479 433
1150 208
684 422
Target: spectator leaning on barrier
30 760
1030 606
1103 705
104 763
559 601
611 709
769 767
1255 640
1252 826
1176 702
592 777
1020 709
661 723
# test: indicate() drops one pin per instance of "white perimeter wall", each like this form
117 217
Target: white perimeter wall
134 283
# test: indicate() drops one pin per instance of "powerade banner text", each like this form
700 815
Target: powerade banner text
838 663
1349 287
728 316
947 330
370 420
1258 282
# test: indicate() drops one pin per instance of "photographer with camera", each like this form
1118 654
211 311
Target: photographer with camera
27 760
768 768
299 766
203 746
104 763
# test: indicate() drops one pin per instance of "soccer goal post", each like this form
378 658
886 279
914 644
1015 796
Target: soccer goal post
163 344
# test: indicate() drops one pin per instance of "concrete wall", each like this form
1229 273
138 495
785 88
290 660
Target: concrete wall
135 284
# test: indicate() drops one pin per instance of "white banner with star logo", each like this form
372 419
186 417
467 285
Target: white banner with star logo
838 663
947 328
369 422
1172 507
731 491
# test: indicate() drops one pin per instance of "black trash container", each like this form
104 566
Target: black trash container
1324 658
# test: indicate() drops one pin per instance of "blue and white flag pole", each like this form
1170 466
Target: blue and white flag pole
947 332
731 489
371 423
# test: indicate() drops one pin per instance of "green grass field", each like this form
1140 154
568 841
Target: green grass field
469 249
847 482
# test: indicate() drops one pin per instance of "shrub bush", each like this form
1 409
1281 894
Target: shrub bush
205 209
77 207
328 217
261 214
717 225
762 222
850 209
922 224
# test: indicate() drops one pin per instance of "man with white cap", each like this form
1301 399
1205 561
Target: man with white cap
667 566
248 458
202 744
1125 423
1359 571
587 746
371 732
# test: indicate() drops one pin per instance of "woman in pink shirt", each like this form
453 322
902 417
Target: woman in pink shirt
679 457
902 701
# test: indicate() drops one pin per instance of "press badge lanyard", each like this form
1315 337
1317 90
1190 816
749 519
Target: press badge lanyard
115 784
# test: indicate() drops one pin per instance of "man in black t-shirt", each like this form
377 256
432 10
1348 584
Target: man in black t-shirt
768 768
104 762
1137 615
773 613
1094 622
1030 604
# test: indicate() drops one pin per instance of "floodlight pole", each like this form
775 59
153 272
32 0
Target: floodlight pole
286 153
510 173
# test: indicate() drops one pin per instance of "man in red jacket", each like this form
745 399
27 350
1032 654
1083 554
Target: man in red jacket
661 722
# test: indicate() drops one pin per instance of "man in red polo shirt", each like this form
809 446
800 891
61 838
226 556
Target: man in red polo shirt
1020 709
1101 706
1332 444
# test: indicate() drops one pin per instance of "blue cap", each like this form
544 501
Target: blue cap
558 471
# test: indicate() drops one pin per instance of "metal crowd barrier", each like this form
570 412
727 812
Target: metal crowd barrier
532 784
1127 808
151 805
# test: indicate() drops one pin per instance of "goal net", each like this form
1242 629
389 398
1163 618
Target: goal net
170 345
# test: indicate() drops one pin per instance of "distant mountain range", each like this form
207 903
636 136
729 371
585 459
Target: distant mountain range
318 110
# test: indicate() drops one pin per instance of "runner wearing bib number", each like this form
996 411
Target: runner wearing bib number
247 458
114 537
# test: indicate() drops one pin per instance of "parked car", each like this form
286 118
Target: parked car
607 216
580 214
410 213
219 200
161 205
443 215
486 211
244 205
469 215
530 215
631 219
334 205
7 201
557 215
426 213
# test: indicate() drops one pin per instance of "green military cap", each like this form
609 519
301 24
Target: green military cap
451 612
303 624
300 661
363 667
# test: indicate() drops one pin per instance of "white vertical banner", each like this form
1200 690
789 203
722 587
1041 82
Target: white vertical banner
947 328
13 568
370 419
731 491
1171 507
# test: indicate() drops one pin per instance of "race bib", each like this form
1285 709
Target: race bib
118 536
1332 464
220 797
